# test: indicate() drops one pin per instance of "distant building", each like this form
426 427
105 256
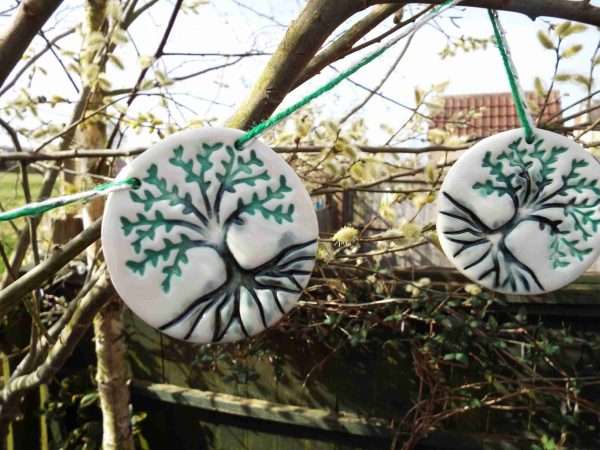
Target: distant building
476 116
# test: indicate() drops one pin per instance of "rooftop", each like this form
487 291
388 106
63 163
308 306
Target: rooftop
481 115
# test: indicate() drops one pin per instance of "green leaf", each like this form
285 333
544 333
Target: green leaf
178 152
563 77
116 61
419 94
258 204
462 358
571 51
583 80
475 403
139 417
563 29
567 29
540 90
88 399
545 40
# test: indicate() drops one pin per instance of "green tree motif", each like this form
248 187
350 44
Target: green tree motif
528 176
218 171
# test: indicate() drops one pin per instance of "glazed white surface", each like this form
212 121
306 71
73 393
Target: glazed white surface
252 240
539 223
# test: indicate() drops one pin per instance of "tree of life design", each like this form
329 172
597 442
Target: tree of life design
565 205
192 223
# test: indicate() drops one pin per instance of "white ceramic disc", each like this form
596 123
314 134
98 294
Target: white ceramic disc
522 218
216 244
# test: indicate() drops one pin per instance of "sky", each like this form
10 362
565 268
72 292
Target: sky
230 26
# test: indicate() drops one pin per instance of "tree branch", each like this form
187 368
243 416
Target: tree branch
46 188
376 89
142 75
33 60
26 23
109 153
563 9
303 39
69 337
33 279
342 46
320 17
66 141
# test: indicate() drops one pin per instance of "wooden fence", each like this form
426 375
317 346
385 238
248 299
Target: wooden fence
348 403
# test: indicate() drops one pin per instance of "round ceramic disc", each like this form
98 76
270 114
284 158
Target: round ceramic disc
522 218
216 244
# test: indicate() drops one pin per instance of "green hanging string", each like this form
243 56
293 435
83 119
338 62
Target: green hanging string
515 89
277 118
35 209
280 116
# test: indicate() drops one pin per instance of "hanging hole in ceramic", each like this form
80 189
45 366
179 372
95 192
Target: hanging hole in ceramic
530 139
135 183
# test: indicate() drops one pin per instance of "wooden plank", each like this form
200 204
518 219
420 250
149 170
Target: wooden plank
315 428
298 359
262 409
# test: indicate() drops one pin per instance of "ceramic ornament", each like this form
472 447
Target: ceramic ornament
217 243
522 218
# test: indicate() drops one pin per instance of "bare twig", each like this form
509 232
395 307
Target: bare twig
47 186
33 59
157 54
385 77
577 11
303 39
30 156
50 45
342 46
68 337
27 22
551 88
14 293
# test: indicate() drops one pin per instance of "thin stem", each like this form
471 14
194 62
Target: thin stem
157 54
549 92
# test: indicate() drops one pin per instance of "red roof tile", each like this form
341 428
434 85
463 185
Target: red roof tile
481 115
